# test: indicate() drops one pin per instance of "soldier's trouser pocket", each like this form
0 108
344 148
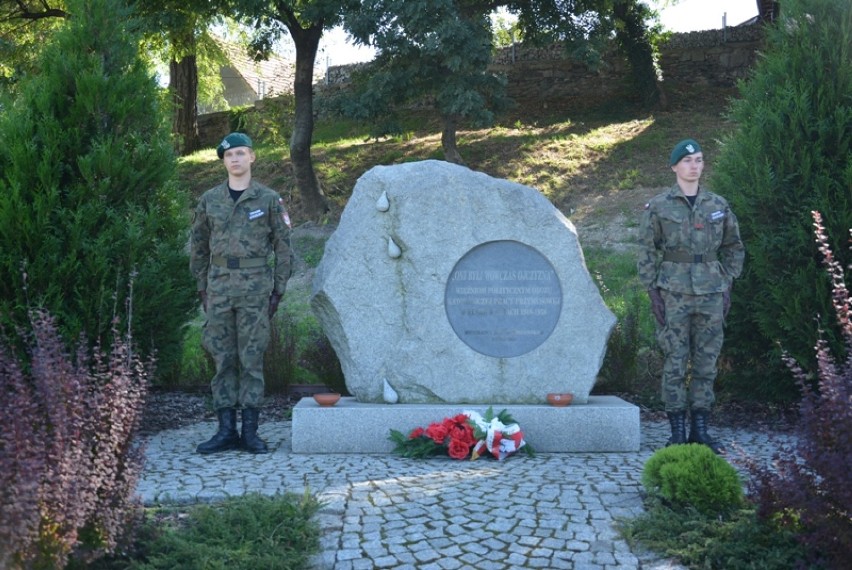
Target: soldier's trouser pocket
663 337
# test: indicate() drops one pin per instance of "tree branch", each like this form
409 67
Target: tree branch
23 11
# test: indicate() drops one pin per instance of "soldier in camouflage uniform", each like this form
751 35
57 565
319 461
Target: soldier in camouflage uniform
240 257
691 253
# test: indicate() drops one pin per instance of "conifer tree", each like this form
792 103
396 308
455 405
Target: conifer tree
88 205
790 154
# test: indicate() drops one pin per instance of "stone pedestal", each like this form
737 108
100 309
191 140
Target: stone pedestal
604 424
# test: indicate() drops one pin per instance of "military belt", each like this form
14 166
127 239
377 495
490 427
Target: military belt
684 257
238 262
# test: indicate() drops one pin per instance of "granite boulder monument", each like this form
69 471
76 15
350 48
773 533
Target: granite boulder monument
444 285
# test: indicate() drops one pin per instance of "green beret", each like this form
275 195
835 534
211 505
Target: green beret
683 148
231 141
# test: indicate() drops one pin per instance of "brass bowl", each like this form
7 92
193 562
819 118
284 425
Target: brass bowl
327 400
560 400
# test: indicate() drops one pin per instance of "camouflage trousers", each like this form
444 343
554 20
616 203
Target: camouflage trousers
236 335
691 341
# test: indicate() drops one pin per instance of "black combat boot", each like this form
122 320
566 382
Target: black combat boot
227 437
678 423
250 442
698 432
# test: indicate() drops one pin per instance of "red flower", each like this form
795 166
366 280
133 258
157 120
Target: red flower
463 432
457 437
437 432
458 449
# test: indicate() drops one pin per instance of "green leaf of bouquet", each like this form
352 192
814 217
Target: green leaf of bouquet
506 418
489 414
397 437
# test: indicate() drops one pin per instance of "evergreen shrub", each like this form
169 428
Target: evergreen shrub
88 200
807 489
240 533
68 460
791 153
735 541
692 475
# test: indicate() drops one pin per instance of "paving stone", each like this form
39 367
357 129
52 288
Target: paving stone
349 554
449 562
427 555
604 558
550 511
385 562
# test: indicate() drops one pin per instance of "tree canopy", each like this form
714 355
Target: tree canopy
434 49
25 27
92 227
439 51
305 21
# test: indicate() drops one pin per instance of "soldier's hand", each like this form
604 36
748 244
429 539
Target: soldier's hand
726 302
203 296
274 299
658 306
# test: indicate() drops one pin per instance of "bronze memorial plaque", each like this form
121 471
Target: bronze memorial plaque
503 298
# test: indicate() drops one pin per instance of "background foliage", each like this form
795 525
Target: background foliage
791 153
86 193
806 490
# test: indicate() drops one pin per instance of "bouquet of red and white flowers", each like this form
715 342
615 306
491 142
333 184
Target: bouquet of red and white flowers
468 434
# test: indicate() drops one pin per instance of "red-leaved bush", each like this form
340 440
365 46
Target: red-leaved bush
68 459
807 489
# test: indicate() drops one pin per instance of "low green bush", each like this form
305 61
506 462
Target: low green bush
737 541
241 533
693 476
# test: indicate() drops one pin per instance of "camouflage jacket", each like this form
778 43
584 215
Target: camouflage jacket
689 249
232 244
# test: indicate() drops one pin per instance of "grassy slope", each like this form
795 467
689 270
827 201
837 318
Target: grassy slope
595 156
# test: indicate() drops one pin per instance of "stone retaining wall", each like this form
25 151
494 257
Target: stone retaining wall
548 78
213 127
712 57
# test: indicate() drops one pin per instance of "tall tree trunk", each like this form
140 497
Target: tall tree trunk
307 43
183 87
448 140
632 37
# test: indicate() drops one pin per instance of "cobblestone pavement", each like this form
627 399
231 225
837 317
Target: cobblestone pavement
550 511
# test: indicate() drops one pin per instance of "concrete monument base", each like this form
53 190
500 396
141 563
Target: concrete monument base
604 424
